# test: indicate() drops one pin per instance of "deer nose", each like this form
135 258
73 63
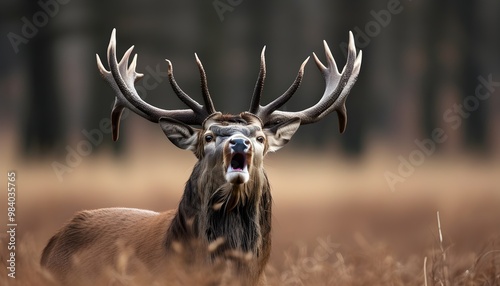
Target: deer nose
239 145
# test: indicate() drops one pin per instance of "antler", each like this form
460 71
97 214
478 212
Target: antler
338 86
122 77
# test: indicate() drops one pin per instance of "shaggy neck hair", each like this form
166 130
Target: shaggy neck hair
212 209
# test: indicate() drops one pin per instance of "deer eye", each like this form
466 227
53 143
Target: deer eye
209 138
260 139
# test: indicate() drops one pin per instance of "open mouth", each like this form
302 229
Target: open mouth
237 171
238 162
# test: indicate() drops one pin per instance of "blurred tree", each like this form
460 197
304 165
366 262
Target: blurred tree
476 125
435 41
44 125
99 101
451 37
359 110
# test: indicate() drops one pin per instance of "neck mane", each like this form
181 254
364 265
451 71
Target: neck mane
212 209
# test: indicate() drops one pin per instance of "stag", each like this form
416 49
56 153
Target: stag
227 198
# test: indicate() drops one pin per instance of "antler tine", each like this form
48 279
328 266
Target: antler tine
207 99
184 97
338 86
340 107
122 77
282 99
259 85
120 101
264 111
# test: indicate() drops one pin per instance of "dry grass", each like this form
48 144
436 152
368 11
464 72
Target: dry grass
365 264
335 224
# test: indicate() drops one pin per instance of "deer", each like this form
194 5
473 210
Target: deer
227 199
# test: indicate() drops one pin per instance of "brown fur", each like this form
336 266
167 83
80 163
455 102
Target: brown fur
93 239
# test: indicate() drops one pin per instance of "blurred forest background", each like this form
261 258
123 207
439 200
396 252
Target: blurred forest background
419 62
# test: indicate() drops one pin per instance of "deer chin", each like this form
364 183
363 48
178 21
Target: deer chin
237 169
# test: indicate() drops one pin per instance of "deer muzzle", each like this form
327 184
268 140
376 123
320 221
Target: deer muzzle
238 155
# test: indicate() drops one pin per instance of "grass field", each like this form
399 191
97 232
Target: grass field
336 222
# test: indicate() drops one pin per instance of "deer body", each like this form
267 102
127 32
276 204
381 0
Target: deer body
226 206
91 237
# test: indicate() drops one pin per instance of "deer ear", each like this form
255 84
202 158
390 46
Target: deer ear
279 134
182 135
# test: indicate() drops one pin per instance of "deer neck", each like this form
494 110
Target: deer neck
238 215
